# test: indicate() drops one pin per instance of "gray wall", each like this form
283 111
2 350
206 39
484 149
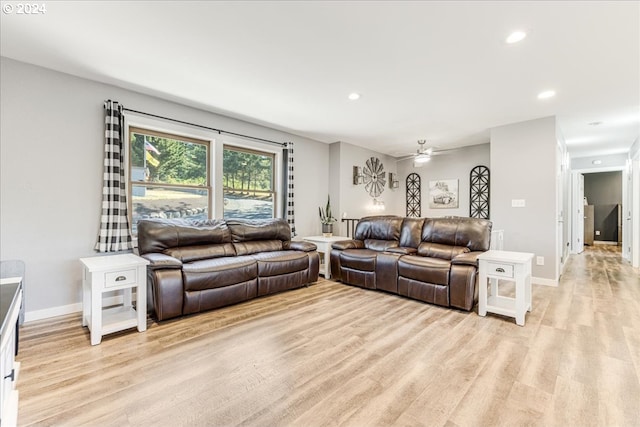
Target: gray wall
523 166
352 199
51 133
454 165
604 191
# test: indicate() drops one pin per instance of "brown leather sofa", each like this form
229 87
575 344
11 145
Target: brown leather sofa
428 259
198 265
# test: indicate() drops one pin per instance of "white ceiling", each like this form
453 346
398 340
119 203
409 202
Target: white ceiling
439 71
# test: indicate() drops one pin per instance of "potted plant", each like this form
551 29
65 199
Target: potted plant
327 219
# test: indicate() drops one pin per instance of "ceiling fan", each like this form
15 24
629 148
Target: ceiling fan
423 154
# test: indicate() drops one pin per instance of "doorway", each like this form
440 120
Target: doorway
603 196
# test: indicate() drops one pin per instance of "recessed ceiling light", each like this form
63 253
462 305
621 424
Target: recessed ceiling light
547 94
354 96
594 123
516 36
597 162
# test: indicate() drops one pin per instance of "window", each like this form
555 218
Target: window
248 180
169 176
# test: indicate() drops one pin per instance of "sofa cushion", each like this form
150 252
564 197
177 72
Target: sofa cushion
157 235
195 253
299 245
378 227
424 269
380 245
438 250
248 248
348 244
411 232
359 259
473 233
281 262
244 230
218 272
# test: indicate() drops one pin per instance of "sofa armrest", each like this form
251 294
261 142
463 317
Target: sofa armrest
468 258
402 250
348 244
159 261
298 245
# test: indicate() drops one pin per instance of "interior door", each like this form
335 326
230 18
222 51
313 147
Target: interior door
578 213
559 213
633 218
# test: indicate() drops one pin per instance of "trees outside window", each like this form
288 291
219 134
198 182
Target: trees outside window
169 176
248 181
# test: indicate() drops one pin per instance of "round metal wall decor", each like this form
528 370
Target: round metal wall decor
414 198
479 192
374 177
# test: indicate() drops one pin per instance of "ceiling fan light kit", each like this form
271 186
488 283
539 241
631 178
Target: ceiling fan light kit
422 158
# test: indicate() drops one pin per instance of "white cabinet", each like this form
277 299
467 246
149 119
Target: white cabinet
504 265
120 273
324 250
10 302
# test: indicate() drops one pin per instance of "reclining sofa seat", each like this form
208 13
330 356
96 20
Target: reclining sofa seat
429 259
198 265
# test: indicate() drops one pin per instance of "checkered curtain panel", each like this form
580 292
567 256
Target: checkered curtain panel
290 216
114 224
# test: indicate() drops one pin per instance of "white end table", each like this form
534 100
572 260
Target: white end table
505 265
324 249
109 273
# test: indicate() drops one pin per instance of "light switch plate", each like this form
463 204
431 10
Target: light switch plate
517 203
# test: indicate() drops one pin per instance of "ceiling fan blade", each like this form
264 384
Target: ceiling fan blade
445 151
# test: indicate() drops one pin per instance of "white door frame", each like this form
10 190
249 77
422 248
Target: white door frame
633 216
574 219
577 214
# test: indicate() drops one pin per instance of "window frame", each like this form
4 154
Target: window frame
148 127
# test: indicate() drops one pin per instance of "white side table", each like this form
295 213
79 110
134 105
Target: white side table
324 249
504 265
109 273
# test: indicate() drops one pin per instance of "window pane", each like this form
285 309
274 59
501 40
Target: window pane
246 172
248 184
249 206
154 202
168 161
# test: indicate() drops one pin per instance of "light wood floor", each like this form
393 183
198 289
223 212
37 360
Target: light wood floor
332 354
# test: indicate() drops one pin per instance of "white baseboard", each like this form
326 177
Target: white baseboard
604 242
544 282
32 316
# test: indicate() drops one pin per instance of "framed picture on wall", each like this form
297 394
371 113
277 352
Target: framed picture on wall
443 194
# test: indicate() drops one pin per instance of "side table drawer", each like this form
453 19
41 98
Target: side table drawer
120 278
499 269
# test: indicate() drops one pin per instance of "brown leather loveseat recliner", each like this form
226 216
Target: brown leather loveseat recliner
198 265
428 259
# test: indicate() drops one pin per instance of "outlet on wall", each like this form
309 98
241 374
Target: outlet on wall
597 232
540 260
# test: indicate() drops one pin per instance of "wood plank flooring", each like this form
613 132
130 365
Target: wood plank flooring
334 355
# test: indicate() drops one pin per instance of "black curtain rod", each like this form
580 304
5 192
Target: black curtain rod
220 131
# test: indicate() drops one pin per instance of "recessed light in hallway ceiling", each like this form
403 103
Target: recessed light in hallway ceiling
515 37
354 96
547 94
